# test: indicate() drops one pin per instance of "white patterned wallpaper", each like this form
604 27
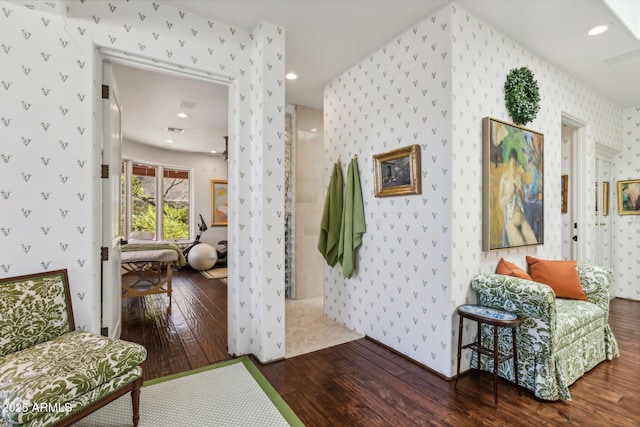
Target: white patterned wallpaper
432 86
49 159
48 162
400 95
626 247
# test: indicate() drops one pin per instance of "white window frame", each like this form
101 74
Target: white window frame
128 211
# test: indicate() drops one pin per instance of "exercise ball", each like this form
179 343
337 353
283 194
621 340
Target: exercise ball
202 257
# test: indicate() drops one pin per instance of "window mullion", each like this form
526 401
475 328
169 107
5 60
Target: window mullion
160 202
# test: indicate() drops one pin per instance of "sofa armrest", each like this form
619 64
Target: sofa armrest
520 296
596 282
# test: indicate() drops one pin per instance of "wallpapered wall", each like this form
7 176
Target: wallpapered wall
432 86
626 248
482 60
49 161
398 96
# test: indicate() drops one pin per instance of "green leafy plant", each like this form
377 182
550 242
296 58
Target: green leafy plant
521 95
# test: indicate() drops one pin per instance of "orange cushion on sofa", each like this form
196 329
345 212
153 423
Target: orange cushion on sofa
562 276
507 268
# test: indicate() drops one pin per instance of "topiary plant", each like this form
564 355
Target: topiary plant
521 95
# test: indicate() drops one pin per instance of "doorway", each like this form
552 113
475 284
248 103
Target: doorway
568 244
573 168
306 326
172 120
603 212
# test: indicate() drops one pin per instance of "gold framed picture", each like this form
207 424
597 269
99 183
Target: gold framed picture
397 172
605 198
512 185
565 189
219 202
629 197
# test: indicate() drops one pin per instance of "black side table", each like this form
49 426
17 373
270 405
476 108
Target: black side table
496 318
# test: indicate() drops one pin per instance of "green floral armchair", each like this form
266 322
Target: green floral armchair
559 339
51 374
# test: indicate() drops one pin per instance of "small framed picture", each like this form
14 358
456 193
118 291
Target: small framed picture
629 197
397 172
219 202
605 198
565 189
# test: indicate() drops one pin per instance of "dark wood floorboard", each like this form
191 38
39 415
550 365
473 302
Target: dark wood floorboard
363 384
189 334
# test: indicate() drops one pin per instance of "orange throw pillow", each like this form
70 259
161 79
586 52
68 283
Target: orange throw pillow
507 268
562 276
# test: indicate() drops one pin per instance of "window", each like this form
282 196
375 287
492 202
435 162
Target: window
143 198
175 204
160 207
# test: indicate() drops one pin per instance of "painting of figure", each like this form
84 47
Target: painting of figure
512 186
629 197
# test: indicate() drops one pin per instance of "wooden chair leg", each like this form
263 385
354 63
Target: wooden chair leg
135 401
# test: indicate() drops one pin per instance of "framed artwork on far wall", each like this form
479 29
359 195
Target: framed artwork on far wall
605 198
512 185
629 197
397 172
219 202
565 190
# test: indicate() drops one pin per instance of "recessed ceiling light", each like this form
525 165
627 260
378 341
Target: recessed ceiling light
170 141
598 29
314 130
182 115
291 76
213 152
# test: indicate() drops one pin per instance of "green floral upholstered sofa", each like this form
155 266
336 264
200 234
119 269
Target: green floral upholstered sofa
559 339
51 374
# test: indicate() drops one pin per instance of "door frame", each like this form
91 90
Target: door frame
579 183
606 154
110 154
106 54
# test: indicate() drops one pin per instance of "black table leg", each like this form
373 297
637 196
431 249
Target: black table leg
459 350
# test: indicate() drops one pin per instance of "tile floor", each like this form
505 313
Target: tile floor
307 329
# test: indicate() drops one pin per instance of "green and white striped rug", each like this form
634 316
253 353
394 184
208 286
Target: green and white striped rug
228 394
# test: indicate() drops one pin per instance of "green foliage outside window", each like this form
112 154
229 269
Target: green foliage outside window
175 213
176 222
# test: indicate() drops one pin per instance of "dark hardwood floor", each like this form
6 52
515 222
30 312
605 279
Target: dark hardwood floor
189 334
363 384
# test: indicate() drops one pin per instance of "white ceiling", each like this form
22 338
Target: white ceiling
150 101
326 37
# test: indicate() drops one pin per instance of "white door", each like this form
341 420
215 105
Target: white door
568 199
604 234
111 195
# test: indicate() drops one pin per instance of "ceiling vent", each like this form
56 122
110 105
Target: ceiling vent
175 130
187 105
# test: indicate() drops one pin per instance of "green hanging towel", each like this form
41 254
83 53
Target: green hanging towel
331 217
353 226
